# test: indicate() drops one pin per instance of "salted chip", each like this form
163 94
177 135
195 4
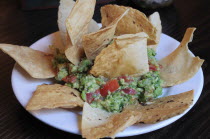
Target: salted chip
54 96
64 10
162 108
36 63
127 55
156 22
74 54
92 117
133 22
97 123
180 65
93 43
78 20
77 26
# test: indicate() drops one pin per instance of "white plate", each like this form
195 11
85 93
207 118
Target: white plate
70 120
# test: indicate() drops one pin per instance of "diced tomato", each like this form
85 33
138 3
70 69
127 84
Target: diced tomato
89 97
70 79
129 91
152 67
127 79
111 86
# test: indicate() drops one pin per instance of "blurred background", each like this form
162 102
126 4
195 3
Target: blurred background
42 4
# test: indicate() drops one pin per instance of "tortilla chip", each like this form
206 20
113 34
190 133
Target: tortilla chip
63 12
54 96
97 123
74 54
79 19
93 43
180 65
156 22
36 63
92 117
133 22
77 25
126 56
162 108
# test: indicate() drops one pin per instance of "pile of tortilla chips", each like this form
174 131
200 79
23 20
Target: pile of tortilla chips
120 45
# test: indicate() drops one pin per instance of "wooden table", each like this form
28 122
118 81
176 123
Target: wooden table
25 27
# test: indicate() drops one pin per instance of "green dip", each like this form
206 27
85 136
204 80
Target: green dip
130 90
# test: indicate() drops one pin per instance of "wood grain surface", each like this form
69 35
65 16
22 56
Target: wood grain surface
25 27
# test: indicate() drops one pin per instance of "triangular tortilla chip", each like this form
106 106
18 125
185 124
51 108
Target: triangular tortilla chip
92 117
162 108
156 22
93 43
63 12
38 64
79 19
180 65
97 123
77 26
54 96
133 22
126 56
74 54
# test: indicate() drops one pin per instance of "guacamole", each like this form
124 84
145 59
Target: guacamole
114 94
